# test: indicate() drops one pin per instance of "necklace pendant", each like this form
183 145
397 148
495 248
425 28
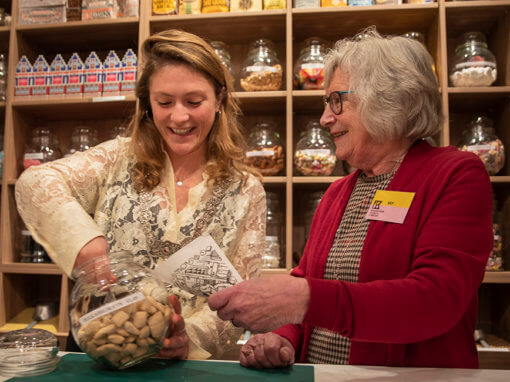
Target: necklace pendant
179 183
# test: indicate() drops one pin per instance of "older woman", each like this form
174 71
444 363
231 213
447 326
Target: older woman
389 275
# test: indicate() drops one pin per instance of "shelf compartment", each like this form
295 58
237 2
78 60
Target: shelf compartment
77 36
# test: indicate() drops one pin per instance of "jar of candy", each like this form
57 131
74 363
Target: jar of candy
311 205
309 68
43 148
265 149
315 151
272 253
482 140
120 324
262 69
473 63
221 50
81 140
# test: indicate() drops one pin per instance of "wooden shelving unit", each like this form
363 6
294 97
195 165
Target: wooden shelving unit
441 23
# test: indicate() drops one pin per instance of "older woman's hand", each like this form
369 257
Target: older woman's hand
176 343
265 304
267 350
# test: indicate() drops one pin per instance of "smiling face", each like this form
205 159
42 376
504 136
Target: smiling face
183 104
353 143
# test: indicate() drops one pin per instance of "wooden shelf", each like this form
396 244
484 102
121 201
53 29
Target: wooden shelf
27 268
497 278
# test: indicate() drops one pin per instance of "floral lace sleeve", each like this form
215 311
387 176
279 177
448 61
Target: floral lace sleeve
206 330
55 200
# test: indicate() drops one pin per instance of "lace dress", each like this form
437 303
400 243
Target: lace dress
68 202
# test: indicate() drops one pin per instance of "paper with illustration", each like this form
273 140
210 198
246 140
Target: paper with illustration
200 268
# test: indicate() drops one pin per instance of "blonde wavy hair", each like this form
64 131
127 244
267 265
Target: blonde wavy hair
226 145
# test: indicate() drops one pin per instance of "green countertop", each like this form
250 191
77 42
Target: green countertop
79 367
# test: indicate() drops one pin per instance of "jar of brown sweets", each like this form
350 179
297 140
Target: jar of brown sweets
265 149
262 69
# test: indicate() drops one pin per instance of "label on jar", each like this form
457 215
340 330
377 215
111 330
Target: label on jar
111 307
475 63
313 152
479 148
261 68
32 159
261 153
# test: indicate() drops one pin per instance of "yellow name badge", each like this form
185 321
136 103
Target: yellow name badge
390 206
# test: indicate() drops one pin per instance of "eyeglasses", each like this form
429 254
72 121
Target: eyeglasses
335 101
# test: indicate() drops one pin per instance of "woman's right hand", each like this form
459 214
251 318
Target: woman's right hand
96 250
268 350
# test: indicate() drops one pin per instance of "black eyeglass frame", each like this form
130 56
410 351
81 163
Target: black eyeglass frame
339 93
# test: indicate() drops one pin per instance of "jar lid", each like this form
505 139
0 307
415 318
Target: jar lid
482 121
28 352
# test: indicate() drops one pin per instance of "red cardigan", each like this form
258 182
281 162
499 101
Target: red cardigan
416 300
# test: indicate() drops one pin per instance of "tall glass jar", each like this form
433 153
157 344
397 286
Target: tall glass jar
120 324
81 140
221 50
309 68
481 140
265 149
311 205
473 63
262 69
43 148
3 77
274 221
315 151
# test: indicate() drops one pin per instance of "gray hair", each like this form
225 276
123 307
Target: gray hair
394 83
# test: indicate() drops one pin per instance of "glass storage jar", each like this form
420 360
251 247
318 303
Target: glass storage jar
120 324
43 148
81 139
262 69
221 50
3 77
265 149
481 140
473 63
28 352
272 254
315 151
311 205
32 251
309 68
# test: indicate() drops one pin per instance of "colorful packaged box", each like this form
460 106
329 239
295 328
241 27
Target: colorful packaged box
74 76
41 11
41 77
93 76
98 9
58 77
128 8
112 74
128 72
23 78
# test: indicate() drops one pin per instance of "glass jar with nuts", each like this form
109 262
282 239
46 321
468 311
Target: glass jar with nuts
121 324
262 69
265 149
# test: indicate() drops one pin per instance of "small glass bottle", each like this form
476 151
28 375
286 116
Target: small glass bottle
43 148
473 63
81 140
481 140
265 149
3 77
309 68
120 324
221 50
272 254
315 151
262 69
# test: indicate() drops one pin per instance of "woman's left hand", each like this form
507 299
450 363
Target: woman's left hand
264 304
176 343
